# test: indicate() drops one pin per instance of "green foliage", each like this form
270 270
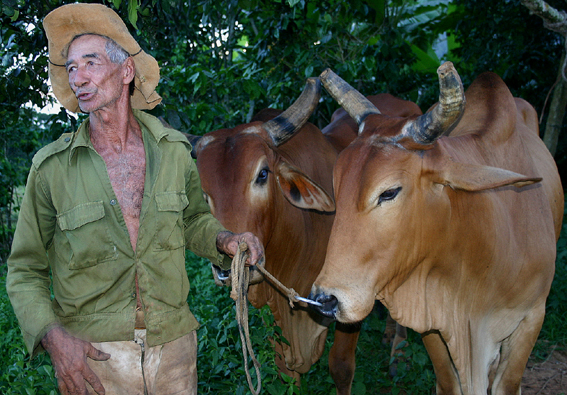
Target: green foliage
19 375
554 330
23 89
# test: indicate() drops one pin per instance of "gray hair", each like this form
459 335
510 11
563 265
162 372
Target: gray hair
114 51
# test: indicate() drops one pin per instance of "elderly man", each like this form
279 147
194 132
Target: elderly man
108 211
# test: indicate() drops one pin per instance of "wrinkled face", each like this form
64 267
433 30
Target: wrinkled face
380 193
236 170
95 80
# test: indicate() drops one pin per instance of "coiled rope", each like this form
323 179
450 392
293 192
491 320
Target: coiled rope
240 276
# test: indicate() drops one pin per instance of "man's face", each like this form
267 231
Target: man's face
95 80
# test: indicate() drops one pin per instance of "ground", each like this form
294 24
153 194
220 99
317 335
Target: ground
546 376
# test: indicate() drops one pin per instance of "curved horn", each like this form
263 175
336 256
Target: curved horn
284 126
354 103
446 114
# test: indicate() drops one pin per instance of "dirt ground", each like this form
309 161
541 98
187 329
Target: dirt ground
546 377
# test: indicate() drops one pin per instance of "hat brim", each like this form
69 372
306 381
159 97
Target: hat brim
66 22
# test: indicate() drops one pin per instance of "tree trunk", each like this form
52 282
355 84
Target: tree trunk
556 21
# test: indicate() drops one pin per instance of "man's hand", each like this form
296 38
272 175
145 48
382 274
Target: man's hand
227 242
69 359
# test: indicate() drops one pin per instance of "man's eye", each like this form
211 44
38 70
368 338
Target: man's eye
389 194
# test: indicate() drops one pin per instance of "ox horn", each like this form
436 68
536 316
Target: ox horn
284 126
446 114
354 103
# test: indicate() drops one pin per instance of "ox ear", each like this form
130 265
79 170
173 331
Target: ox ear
479 178
301 191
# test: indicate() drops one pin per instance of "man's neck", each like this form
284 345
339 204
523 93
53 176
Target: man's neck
114 129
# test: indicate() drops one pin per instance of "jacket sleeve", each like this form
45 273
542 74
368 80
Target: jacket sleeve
28 281
201 228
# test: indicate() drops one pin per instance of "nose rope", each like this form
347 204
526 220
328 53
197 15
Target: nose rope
240 276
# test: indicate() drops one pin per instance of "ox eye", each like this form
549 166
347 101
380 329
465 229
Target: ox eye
389 194
262 177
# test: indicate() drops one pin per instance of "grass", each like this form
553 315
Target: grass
220 364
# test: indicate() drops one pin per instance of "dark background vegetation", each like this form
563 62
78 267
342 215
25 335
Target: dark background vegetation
222 61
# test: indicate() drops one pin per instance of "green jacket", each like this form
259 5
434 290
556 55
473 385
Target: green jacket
70 223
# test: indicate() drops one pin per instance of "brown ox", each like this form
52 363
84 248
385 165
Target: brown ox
340 132
256 177
430 220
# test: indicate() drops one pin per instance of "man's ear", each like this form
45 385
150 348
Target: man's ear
301 191
129 69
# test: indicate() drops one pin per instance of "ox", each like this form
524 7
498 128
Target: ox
340 132
431 221
257 177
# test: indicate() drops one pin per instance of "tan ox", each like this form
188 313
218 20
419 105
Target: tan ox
340 132
257 177
431 221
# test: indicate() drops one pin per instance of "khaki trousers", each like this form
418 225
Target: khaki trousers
135 369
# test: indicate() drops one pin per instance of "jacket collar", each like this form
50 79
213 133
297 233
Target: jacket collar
154 126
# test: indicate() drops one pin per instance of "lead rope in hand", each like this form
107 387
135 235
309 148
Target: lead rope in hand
240 275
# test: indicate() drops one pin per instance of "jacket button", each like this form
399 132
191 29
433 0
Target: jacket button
67 139
113 202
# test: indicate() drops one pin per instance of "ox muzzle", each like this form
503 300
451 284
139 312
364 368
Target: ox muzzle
326 305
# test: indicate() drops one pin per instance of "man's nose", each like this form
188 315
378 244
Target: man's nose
79 78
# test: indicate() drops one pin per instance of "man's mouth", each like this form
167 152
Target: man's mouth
84 95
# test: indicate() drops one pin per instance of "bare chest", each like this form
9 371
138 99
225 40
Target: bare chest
127 172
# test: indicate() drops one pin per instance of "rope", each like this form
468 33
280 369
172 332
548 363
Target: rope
289 292
240 276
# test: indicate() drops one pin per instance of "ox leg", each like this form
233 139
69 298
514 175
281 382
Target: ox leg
401 334
445 373
389 331
342 356
515 352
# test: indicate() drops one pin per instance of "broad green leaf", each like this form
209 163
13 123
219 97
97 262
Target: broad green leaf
133 6
426 62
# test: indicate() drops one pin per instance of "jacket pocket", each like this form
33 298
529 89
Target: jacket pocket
169 220
87 234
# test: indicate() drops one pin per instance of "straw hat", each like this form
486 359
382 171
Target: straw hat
64 23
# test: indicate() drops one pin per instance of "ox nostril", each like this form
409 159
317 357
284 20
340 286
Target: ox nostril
329 304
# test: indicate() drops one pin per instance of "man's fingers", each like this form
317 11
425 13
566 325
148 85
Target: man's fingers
62 386
94 381
96 354
76 384
255 248
69 385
